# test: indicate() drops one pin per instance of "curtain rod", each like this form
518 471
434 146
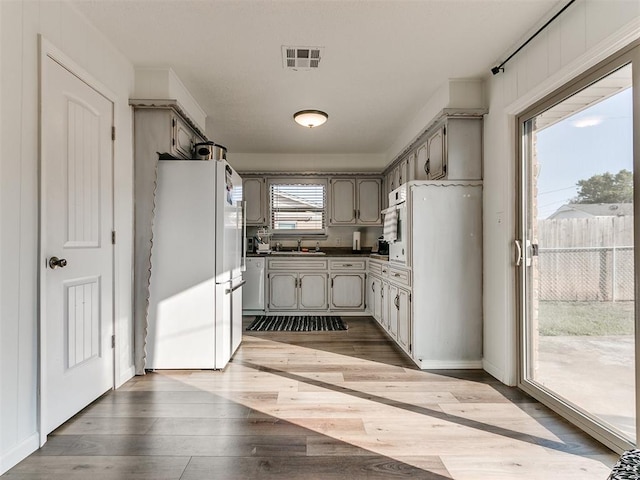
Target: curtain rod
499 68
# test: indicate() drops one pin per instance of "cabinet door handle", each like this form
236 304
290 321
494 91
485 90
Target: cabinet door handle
427 166
332 283
384 271
382 292
396 301
373 289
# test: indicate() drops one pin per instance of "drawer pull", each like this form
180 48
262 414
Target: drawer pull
348 265
396 274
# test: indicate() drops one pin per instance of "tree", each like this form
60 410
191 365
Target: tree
606 188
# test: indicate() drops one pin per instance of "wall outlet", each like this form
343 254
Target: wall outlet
338 241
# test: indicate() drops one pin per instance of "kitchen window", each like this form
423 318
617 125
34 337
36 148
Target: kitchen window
298 206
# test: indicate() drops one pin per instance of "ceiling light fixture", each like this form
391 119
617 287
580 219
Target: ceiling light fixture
310 118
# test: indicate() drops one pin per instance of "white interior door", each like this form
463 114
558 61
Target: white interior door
76 225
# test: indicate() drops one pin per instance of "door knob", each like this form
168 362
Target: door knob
55 262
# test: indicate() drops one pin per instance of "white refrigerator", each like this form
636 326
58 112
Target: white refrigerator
197 259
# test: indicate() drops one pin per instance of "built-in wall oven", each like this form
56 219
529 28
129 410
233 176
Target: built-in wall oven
395 226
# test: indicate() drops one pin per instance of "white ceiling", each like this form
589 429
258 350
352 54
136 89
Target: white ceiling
382 61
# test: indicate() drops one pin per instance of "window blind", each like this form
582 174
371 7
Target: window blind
298 207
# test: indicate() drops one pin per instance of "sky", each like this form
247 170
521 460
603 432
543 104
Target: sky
593 141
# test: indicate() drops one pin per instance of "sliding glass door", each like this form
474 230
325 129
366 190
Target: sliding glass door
575 253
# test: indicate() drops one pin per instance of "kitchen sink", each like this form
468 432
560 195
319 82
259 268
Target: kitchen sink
296 252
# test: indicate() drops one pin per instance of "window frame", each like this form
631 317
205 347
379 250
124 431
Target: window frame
316 233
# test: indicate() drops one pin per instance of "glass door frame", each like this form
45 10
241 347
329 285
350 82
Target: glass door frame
523 251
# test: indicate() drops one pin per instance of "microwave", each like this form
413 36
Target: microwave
398 249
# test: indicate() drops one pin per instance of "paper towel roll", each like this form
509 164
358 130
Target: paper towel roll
356 241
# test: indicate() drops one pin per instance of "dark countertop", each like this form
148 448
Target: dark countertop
328 252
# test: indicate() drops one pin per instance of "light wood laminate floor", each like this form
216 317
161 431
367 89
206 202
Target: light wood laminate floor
333 405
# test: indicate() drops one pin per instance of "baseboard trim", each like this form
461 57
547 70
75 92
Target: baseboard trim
450 364
18 453
125 376
492 370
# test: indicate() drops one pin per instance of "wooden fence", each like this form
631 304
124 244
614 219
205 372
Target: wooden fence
585 259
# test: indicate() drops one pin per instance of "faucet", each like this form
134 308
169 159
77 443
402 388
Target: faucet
299 244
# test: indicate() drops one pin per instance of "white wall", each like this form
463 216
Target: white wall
585 34
465 93
292 162
163 83
20 24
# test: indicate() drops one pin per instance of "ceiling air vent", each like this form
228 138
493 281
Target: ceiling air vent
301 58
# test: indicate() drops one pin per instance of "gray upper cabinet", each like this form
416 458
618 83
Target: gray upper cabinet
464 149
436 165
255 196
431 156
183 138
355 201
452 151
421 162
343 201
368 192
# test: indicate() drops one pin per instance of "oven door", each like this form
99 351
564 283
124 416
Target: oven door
398 249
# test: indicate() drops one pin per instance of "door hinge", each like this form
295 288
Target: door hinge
113 237
113 341
113 133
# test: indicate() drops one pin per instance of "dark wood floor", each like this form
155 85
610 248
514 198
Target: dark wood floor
334 405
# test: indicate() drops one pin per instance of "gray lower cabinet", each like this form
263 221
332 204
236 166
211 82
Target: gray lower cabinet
389 288
347 291
334 284
283 291
400 315
313 291
402 304
298 291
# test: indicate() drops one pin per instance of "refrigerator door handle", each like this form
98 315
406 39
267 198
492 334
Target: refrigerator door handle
231 290
243 263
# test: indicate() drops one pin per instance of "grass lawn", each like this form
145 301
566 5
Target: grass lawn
585 318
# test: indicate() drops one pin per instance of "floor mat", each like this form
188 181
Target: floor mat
296 323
